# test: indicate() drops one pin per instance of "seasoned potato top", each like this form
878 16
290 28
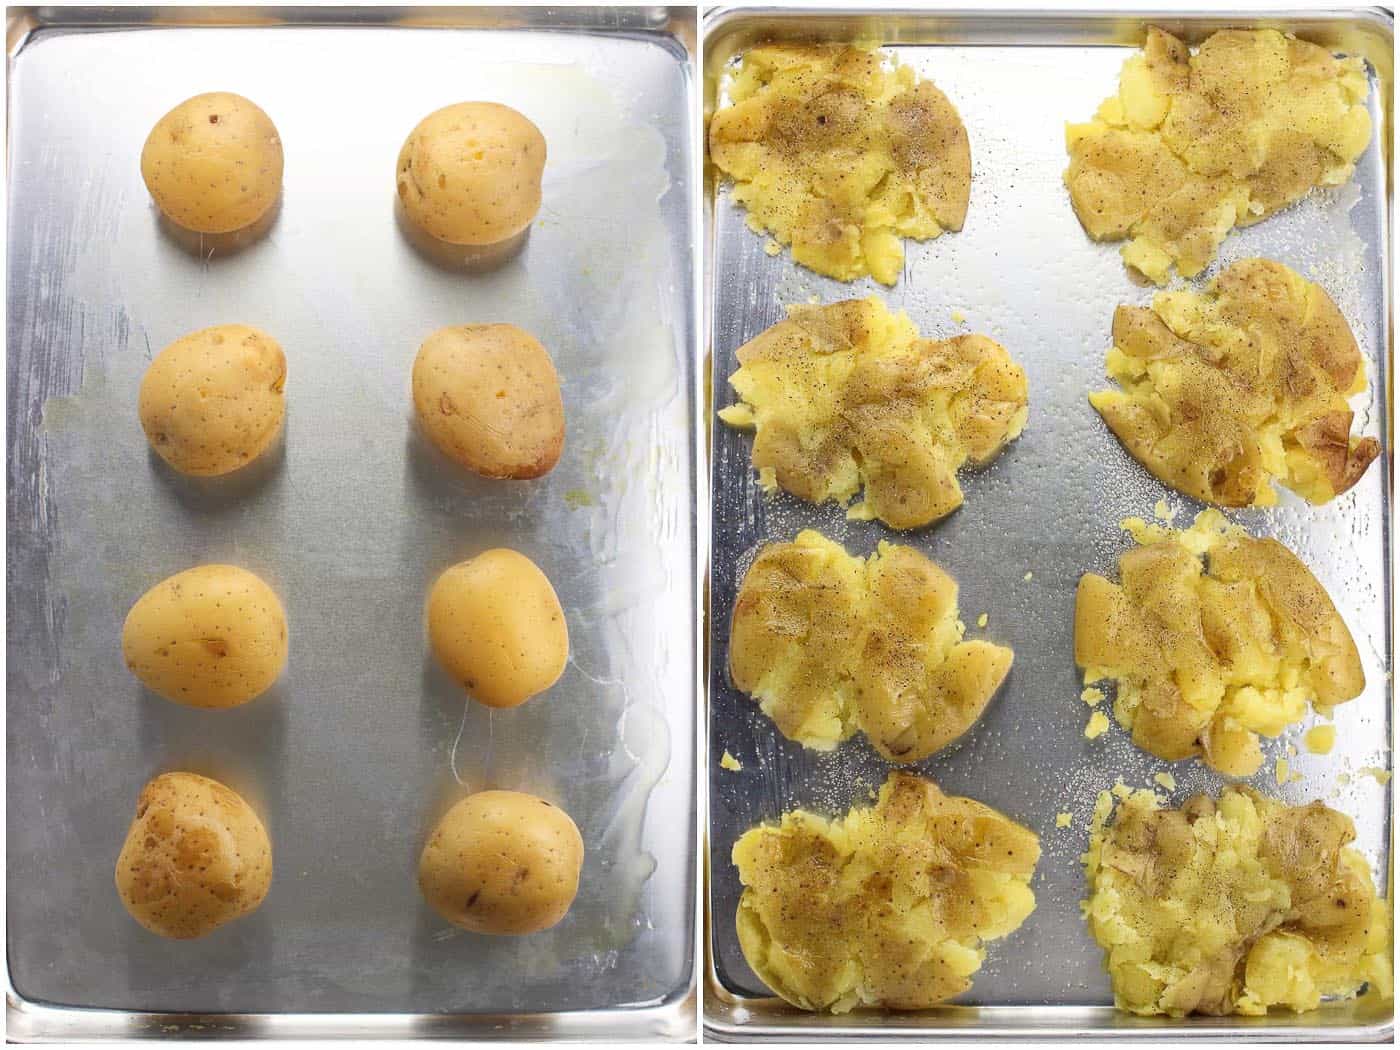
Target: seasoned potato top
847 396
1232 907
470 173
840 154
1214 637
213 400
1195 145
196 856
830 644
888 906
1225 390
213 164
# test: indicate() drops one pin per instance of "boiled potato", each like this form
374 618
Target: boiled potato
1232 906
502 862
196 857
889 906
1228 389
1194 145
848 396
841 154
487 395
213 164
212 636
830 644
1214 638
212 401
495 625
470 173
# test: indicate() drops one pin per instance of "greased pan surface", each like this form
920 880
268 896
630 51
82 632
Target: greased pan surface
1047 510
363 743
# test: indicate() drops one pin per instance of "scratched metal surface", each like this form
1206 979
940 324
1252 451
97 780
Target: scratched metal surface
1046 511
363 743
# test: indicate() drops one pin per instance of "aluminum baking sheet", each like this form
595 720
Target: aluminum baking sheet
363 743
1023 272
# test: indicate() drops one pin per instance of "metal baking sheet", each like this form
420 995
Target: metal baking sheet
1046 511
363 743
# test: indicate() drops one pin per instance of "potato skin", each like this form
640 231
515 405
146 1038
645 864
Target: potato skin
488 397
213 164
212 401
496 626
502 862
196 857
213 636
470 173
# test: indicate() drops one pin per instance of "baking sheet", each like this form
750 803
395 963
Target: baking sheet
363 743
1023 272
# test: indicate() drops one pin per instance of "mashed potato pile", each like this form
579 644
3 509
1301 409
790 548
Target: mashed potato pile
1226 390
1232 907
840 155
1214 637
888 907
1195 145
830 644
848 395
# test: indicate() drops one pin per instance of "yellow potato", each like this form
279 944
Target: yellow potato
212 636
889 906
196 857
1232 906
488 396
213 164
212 401
502 862
495 625
470 173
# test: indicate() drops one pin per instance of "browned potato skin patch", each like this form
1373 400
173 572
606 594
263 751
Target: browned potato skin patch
488 397
212 401
831 644
852 912
213 164
196 857
1275 357
502 862
470 173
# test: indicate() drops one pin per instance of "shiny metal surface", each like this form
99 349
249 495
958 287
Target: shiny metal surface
363 743
1046 511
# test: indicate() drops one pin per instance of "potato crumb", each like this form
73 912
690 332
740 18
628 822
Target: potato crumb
1166 780
1164 511
982 620
1063 820
728 761
772 247
1120 790
959 317
1281 771
1027 576
1319 739
1291 751
1091 695
1098 725
1381 776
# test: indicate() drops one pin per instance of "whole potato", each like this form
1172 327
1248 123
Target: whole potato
196 857
212 636
470 173
488 396
212 401
496 626
502 862
213 164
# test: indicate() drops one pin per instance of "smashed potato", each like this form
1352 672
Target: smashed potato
1226 390
831 644
847 396
1214 637
196 857
840 155
1232 907
213 401
1194 145
889 906
213 164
